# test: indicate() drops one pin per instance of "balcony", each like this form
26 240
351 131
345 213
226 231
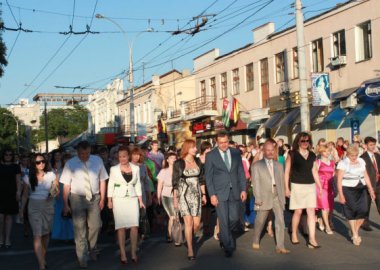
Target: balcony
170 115
200 107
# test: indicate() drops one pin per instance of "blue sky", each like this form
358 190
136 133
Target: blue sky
42 59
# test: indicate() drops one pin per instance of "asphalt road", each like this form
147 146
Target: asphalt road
337 252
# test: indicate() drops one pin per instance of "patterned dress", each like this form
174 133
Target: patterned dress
189 193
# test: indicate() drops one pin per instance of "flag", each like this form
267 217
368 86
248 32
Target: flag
235 110
226 113
163 126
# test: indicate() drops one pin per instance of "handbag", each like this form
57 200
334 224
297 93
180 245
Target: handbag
144 226
177 234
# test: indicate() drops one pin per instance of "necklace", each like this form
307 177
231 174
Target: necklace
189 161
304 154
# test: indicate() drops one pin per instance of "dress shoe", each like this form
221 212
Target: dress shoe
221 245
93 256
311 246
282 251
367 228
191 258
255 247
228 253
123 261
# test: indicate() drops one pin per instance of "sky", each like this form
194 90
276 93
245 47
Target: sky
53 55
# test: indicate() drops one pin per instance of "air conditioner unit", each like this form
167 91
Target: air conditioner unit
350 102
339 60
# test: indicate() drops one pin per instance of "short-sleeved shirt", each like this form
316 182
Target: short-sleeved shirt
353 173
42 190
165 176
74 174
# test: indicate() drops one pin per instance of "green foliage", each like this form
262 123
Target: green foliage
8 135
3 51
64 122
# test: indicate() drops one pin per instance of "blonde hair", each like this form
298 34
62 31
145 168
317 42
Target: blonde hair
357 138
322 149
352 149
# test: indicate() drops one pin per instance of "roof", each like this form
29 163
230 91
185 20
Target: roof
161 76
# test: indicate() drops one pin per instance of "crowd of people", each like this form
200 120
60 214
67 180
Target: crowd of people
127 187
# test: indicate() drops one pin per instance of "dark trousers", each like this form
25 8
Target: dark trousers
377 200
229 220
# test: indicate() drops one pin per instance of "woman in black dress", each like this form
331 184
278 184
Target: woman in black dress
10 192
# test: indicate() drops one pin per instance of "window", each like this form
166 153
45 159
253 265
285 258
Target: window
236 81
317 53
203 88
264 71
339 43
280 67
249 77
295 63
223 83
213 87
363 41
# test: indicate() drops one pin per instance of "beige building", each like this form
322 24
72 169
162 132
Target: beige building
102 106
29 114
160 98
263 77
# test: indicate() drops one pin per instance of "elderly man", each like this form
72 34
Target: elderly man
267 178
84 179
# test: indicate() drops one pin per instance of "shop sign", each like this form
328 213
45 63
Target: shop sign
202 126
218 125
373 91
141 130
355 128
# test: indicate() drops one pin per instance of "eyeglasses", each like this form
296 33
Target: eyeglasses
304 141
8 155
38 162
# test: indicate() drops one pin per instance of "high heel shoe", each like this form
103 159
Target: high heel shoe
135 260
311 246
294 242
191 258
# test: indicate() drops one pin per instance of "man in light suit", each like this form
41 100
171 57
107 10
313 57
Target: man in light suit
372 161
226 185
267 178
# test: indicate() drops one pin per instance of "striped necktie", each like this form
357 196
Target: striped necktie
87 184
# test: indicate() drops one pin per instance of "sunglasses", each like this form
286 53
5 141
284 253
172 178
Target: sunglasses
38 162
304 141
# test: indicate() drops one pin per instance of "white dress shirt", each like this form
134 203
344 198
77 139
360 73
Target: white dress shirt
74 173
353 173
270 169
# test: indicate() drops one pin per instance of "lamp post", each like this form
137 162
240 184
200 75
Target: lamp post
17 131
130 73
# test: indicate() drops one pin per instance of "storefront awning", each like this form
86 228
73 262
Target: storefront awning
344 93
315 111
290 118
274 120
360 112
336 115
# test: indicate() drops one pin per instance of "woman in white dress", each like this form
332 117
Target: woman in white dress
125 199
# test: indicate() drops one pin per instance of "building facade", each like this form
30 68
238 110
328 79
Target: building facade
103 111
159 99
264 77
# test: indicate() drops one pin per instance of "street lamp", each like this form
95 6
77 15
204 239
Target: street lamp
130 73
17 131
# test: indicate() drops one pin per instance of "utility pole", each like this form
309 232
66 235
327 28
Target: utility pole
131 101
46 129
305 113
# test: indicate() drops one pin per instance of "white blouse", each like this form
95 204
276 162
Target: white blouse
353 173
42 190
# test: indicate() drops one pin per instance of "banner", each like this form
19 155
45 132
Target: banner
320 89
230 111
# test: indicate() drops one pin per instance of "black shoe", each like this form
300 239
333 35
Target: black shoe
367 228
221 245
191 258
311 246
228 253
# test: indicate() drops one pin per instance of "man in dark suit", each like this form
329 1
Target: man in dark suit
226 185
372 161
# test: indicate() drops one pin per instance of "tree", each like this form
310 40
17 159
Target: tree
64 123
8 134
3 50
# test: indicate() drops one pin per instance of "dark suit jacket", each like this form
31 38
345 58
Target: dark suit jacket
219 180
370 168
